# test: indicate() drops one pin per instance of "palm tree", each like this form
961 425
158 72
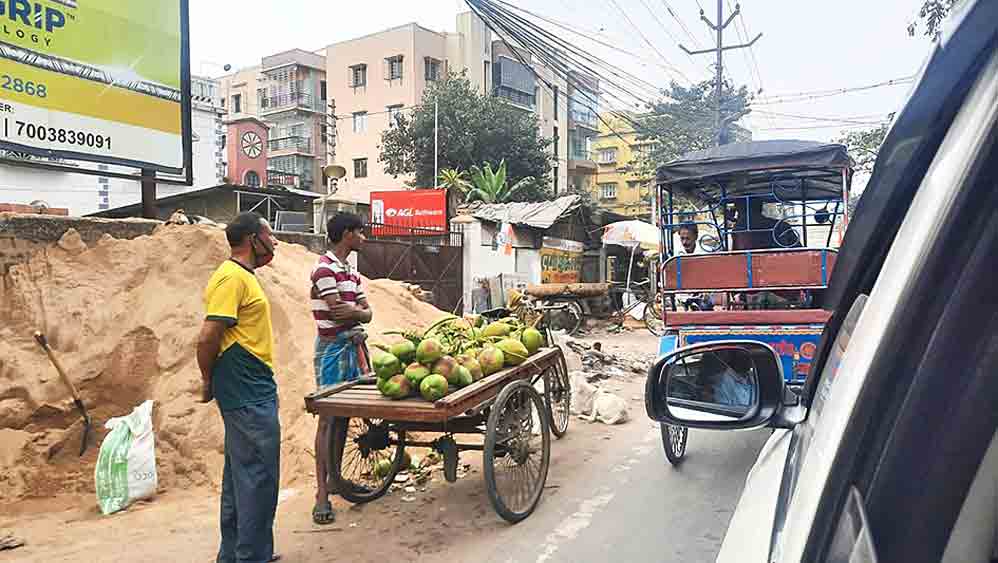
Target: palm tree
490 186
457 185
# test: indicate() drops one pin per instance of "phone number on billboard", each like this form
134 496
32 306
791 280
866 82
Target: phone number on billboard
37 132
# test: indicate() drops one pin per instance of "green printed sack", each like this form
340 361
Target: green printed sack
126 464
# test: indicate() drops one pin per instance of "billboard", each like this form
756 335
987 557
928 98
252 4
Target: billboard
98 80
422 209
561 260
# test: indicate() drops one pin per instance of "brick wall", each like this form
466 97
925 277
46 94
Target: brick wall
18 208
21 235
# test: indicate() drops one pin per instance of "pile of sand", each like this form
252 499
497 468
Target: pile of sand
123 316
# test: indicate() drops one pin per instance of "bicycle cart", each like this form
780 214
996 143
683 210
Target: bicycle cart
369 432
763 216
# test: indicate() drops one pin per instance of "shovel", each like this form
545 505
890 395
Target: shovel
40 339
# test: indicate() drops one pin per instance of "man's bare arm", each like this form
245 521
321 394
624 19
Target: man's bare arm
209 343
361 312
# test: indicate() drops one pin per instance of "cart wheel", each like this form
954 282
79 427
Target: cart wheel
564 315
653 317
674 442
558 398
357 446
517 452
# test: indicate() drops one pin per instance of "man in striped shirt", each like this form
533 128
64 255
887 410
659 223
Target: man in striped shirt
339 307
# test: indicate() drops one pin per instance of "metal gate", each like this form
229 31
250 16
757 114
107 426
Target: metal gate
432 259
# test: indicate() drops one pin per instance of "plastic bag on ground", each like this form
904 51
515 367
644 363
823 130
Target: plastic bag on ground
126 464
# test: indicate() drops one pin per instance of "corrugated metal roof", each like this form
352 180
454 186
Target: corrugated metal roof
540 215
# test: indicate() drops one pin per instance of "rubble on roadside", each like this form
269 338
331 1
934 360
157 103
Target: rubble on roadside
600 365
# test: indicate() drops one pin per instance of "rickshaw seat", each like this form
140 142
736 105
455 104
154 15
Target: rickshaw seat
749 270
760 317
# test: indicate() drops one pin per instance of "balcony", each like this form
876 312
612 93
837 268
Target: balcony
286 101
584 118
292 144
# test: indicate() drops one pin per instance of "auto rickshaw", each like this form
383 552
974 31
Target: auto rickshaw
767 217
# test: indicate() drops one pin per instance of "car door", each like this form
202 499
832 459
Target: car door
806 461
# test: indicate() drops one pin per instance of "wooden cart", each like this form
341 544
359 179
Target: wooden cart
368 435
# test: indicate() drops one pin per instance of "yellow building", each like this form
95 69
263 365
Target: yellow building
617 188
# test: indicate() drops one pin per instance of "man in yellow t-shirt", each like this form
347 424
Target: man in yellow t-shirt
236 356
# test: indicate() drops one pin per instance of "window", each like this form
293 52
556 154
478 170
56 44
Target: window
223 102
322 90
393 68
360 168
608 191
222 139
360 122
432 69
555 171
358 76
394 112
607 156
485 77
252 179
555 89
556 139
237 103
537 101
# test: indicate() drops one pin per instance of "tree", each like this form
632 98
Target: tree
683 121
491 187
932 14
864 145
474 128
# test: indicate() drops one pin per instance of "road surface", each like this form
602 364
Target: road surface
623 502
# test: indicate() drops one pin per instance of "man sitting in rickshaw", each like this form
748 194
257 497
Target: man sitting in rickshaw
689 235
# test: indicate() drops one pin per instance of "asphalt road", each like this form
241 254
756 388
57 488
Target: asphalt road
622 501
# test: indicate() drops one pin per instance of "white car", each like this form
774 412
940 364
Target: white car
889 453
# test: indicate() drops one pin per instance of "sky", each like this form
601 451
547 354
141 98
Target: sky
806 46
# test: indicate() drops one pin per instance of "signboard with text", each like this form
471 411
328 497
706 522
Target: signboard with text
103 81
424 210
561 260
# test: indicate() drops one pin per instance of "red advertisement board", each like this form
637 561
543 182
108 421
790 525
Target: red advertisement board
411 209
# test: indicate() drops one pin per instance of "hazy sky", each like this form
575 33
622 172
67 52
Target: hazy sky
807 45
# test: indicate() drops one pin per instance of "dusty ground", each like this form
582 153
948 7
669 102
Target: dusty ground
448 522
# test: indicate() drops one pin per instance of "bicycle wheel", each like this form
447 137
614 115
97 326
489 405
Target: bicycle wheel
674 442
358 446
566 316
653 317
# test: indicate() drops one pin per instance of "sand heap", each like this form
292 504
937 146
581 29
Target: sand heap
123 316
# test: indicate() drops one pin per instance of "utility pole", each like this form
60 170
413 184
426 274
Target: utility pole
436 143
719 50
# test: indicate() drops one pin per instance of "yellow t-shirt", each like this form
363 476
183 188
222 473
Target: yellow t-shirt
243 373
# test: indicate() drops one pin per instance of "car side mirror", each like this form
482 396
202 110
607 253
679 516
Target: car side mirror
717 385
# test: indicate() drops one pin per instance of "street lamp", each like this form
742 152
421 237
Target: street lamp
332 173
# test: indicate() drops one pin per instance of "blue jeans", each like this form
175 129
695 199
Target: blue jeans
249 483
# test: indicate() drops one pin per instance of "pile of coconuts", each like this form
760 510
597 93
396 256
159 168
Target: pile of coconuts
453 353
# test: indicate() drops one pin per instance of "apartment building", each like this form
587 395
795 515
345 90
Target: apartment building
618 188
364 83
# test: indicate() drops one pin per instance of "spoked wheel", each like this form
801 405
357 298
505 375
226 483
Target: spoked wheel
564 315
558 397
366 456
653 317
674 442
517 451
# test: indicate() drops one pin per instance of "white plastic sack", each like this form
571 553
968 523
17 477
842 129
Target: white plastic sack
126 464
609 408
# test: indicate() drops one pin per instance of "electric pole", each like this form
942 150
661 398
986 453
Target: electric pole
719 50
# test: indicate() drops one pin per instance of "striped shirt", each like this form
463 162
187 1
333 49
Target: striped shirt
330 276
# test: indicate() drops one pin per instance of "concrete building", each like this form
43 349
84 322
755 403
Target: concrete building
83 194
618 187
583 128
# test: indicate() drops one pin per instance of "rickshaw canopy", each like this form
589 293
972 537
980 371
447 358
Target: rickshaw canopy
751 168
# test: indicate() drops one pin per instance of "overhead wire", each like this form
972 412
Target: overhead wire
817 94
645 38
693 39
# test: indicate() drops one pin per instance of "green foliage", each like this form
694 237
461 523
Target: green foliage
683 121
453 179
864 145
473 128
932 14
490 186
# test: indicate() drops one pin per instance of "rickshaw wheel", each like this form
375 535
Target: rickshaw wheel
357 447
674 442
558 397
653 317
517 451
563 315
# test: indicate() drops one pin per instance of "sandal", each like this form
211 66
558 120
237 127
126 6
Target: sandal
323 513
